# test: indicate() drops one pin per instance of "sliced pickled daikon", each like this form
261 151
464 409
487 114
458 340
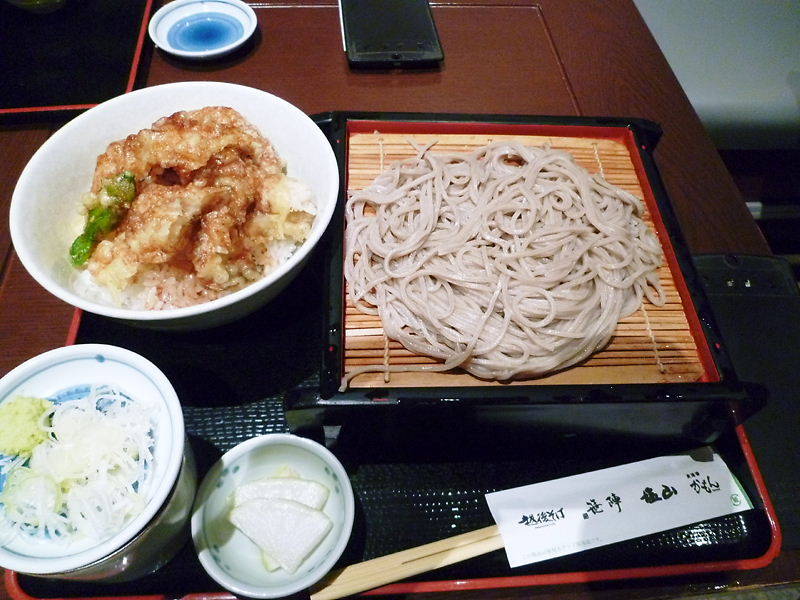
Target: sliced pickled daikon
304 491
285 530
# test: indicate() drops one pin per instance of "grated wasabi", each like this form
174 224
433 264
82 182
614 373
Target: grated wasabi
21 424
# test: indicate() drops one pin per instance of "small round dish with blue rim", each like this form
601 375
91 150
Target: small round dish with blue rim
152 536
202 29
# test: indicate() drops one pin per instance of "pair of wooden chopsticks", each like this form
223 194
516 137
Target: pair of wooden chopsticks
393 567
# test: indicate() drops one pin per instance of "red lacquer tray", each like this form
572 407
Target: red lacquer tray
409 466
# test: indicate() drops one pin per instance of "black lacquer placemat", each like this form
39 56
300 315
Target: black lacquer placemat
757 305
414 484
82 53
418 475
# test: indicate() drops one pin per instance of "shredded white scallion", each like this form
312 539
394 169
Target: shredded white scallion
89 478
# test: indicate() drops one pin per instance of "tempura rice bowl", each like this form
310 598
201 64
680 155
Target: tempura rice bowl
46 205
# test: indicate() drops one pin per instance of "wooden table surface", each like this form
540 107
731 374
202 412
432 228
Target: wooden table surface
543 57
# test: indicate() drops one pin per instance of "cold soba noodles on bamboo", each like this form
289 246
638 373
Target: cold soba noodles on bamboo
510 261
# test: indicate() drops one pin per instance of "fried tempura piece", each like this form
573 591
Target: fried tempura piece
219 257
211 197
157 229
182 143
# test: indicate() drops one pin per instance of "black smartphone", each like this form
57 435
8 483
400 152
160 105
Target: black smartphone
390 33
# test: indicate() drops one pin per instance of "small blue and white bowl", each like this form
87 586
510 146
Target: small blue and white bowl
231 558
148 540
202 29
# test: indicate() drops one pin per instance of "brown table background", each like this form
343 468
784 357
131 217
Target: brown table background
545 57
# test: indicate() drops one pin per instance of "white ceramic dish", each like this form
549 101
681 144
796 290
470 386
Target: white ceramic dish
202 29
45 212
67 373
230 557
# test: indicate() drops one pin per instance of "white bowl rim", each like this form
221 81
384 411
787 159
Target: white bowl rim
248 28
29 262
204 554
54 565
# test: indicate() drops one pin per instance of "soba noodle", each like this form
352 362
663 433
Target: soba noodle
510 261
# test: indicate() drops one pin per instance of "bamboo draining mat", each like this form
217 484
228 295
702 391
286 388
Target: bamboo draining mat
654 345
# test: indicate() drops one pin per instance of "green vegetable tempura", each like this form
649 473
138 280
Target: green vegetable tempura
20 425
113 202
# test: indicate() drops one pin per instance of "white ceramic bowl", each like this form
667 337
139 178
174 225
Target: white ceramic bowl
231 558
67 373
45 208
202 29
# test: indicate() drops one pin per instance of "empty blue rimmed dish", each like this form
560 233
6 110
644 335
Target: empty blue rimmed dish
202 29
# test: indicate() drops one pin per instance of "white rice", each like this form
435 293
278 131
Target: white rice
150 290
